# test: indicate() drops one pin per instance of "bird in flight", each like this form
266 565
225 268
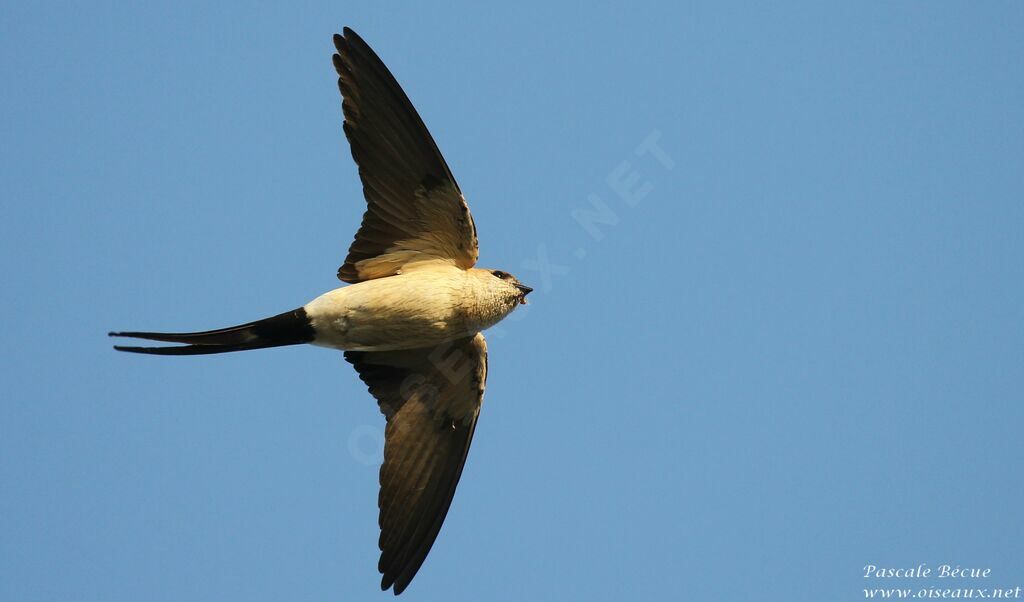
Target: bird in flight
411 317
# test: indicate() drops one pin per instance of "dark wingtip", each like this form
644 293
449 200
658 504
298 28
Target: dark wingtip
392 582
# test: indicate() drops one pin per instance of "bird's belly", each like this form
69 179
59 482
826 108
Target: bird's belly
378 316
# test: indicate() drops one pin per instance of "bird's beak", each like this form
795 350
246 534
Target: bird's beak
526 291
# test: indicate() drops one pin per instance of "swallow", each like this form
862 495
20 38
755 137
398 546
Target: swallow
411 317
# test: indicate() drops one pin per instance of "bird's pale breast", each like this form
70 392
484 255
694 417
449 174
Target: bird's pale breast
416 309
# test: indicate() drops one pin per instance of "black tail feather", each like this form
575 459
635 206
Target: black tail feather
196 349
289 328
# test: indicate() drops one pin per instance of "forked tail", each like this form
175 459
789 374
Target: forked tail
289 328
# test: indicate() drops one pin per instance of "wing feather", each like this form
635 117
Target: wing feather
415 210
431 398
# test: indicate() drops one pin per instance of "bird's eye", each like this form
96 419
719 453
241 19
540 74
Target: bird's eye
500 274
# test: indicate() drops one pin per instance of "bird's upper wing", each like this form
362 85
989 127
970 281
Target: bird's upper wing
431 398
415 210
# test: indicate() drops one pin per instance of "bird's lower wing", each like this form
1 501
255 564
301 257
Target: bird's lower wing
431 398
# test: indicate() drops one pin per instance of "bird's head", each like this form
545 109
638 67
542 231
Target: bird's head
509 286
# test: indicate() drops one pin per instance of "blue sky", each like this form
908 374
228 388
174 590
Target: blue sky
797 354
